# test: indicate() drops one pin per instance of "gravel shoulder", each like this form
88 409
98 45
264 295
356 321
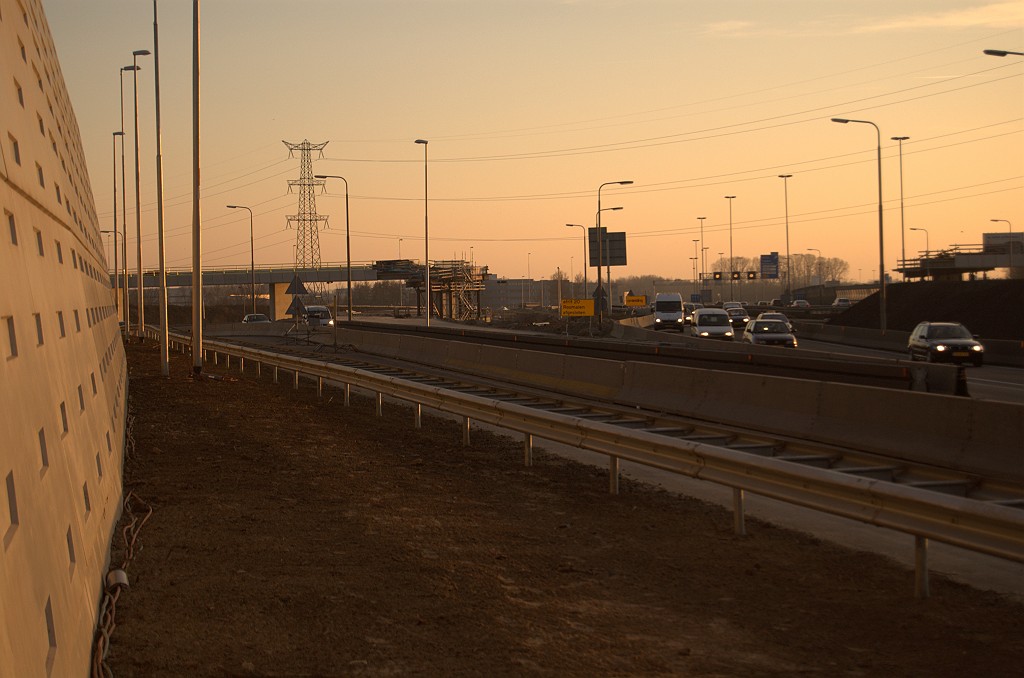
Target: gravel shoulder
292 536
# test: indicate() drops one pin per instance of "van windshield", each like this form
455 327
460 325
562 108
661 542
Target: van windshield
672 306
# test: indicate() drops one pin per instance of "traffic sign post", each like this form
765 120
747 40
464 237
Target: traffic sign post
577 308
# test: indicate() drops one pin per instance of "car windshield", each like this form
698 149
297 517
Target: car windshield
668 306
770 327
736 312
948 332
713 319
774 316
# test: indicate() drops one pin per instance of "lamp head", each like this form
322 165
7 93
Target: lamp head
842 120
730 197
118 134
625 183
785 176
421 141
233 207
131 68
140 52
996 52
899 138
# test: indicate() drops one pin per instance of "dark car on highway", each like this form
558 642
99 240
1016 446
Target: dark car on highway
945 342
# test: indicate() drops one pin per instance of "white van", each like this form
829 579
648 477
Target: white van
668 311
711 323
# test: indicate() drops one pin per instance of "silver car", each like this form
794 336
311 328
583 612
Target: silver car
768 333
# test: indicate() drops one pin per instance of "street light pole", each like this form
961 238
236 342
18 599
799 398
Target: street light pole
703 258
927 247
138 200
584 255
881 228
600 246
789 280
165 357
1009 242
732 283
696 259
124 213
117 271
348 241
252 253
426 231
903 235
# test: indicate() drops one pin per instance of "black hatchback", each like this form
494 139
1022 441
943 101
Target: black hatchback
945 342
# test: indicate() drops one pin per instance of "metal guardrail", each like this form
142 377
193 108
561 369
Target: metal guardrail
985 528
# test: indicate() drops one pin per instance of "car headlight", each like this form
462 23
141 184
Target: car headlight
657 320
978 347
728 334
703 334
940 347
679 320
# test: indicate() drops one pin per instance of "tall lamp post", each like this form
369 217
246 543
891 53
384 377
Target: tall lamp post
141 312
165 359
426 232
927 246
696 260
600 245
348 241
1009 242
703 258
785 191
881 227
252 253
124 212
584 255
732 282
903 232
117 271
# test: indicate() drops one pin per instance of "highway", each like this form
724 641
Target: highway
989 382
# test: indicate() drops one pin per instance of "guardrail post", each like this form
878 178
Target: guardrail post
216 358
296 380
348 394
527 449
739 523
613 475
275 374
419 415
380 404
921 588
227 361
465 431
241 365
259 368
319 387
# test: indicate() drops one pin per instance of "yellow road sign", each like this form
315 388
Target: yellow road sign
577 307
636 300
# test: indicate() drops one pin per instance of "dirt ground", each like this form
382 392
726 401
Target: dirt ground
297 537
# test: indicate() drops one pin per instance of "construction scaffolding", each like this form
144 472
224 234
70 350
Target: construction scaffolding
307 221
455 285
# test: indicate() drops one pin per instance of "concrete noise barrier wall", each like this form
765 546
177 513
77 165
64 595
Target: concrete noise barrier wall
977 436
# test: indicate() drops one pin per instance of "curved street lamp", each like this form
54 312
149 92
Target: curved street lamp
1002 52
124 210
600 245
903 233
348 241
881 229
141 326
252 252
584 255
426 232
785 192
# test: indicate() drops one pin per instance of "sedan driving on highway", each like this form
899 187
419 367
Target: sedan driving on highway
711 323
769 333
255 318
775 315
945 342
738 316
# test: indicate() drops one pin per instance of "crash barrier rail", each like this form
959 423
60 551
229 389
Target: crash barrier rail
974 436
978 526
1005 352
636 344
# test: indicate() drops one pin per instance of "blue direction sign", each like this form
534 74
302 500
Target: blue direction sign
770 265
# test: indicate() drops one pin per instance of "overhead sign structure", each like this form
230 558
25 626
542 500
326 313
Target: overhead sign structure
770 266
636 300
613 249
577 308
